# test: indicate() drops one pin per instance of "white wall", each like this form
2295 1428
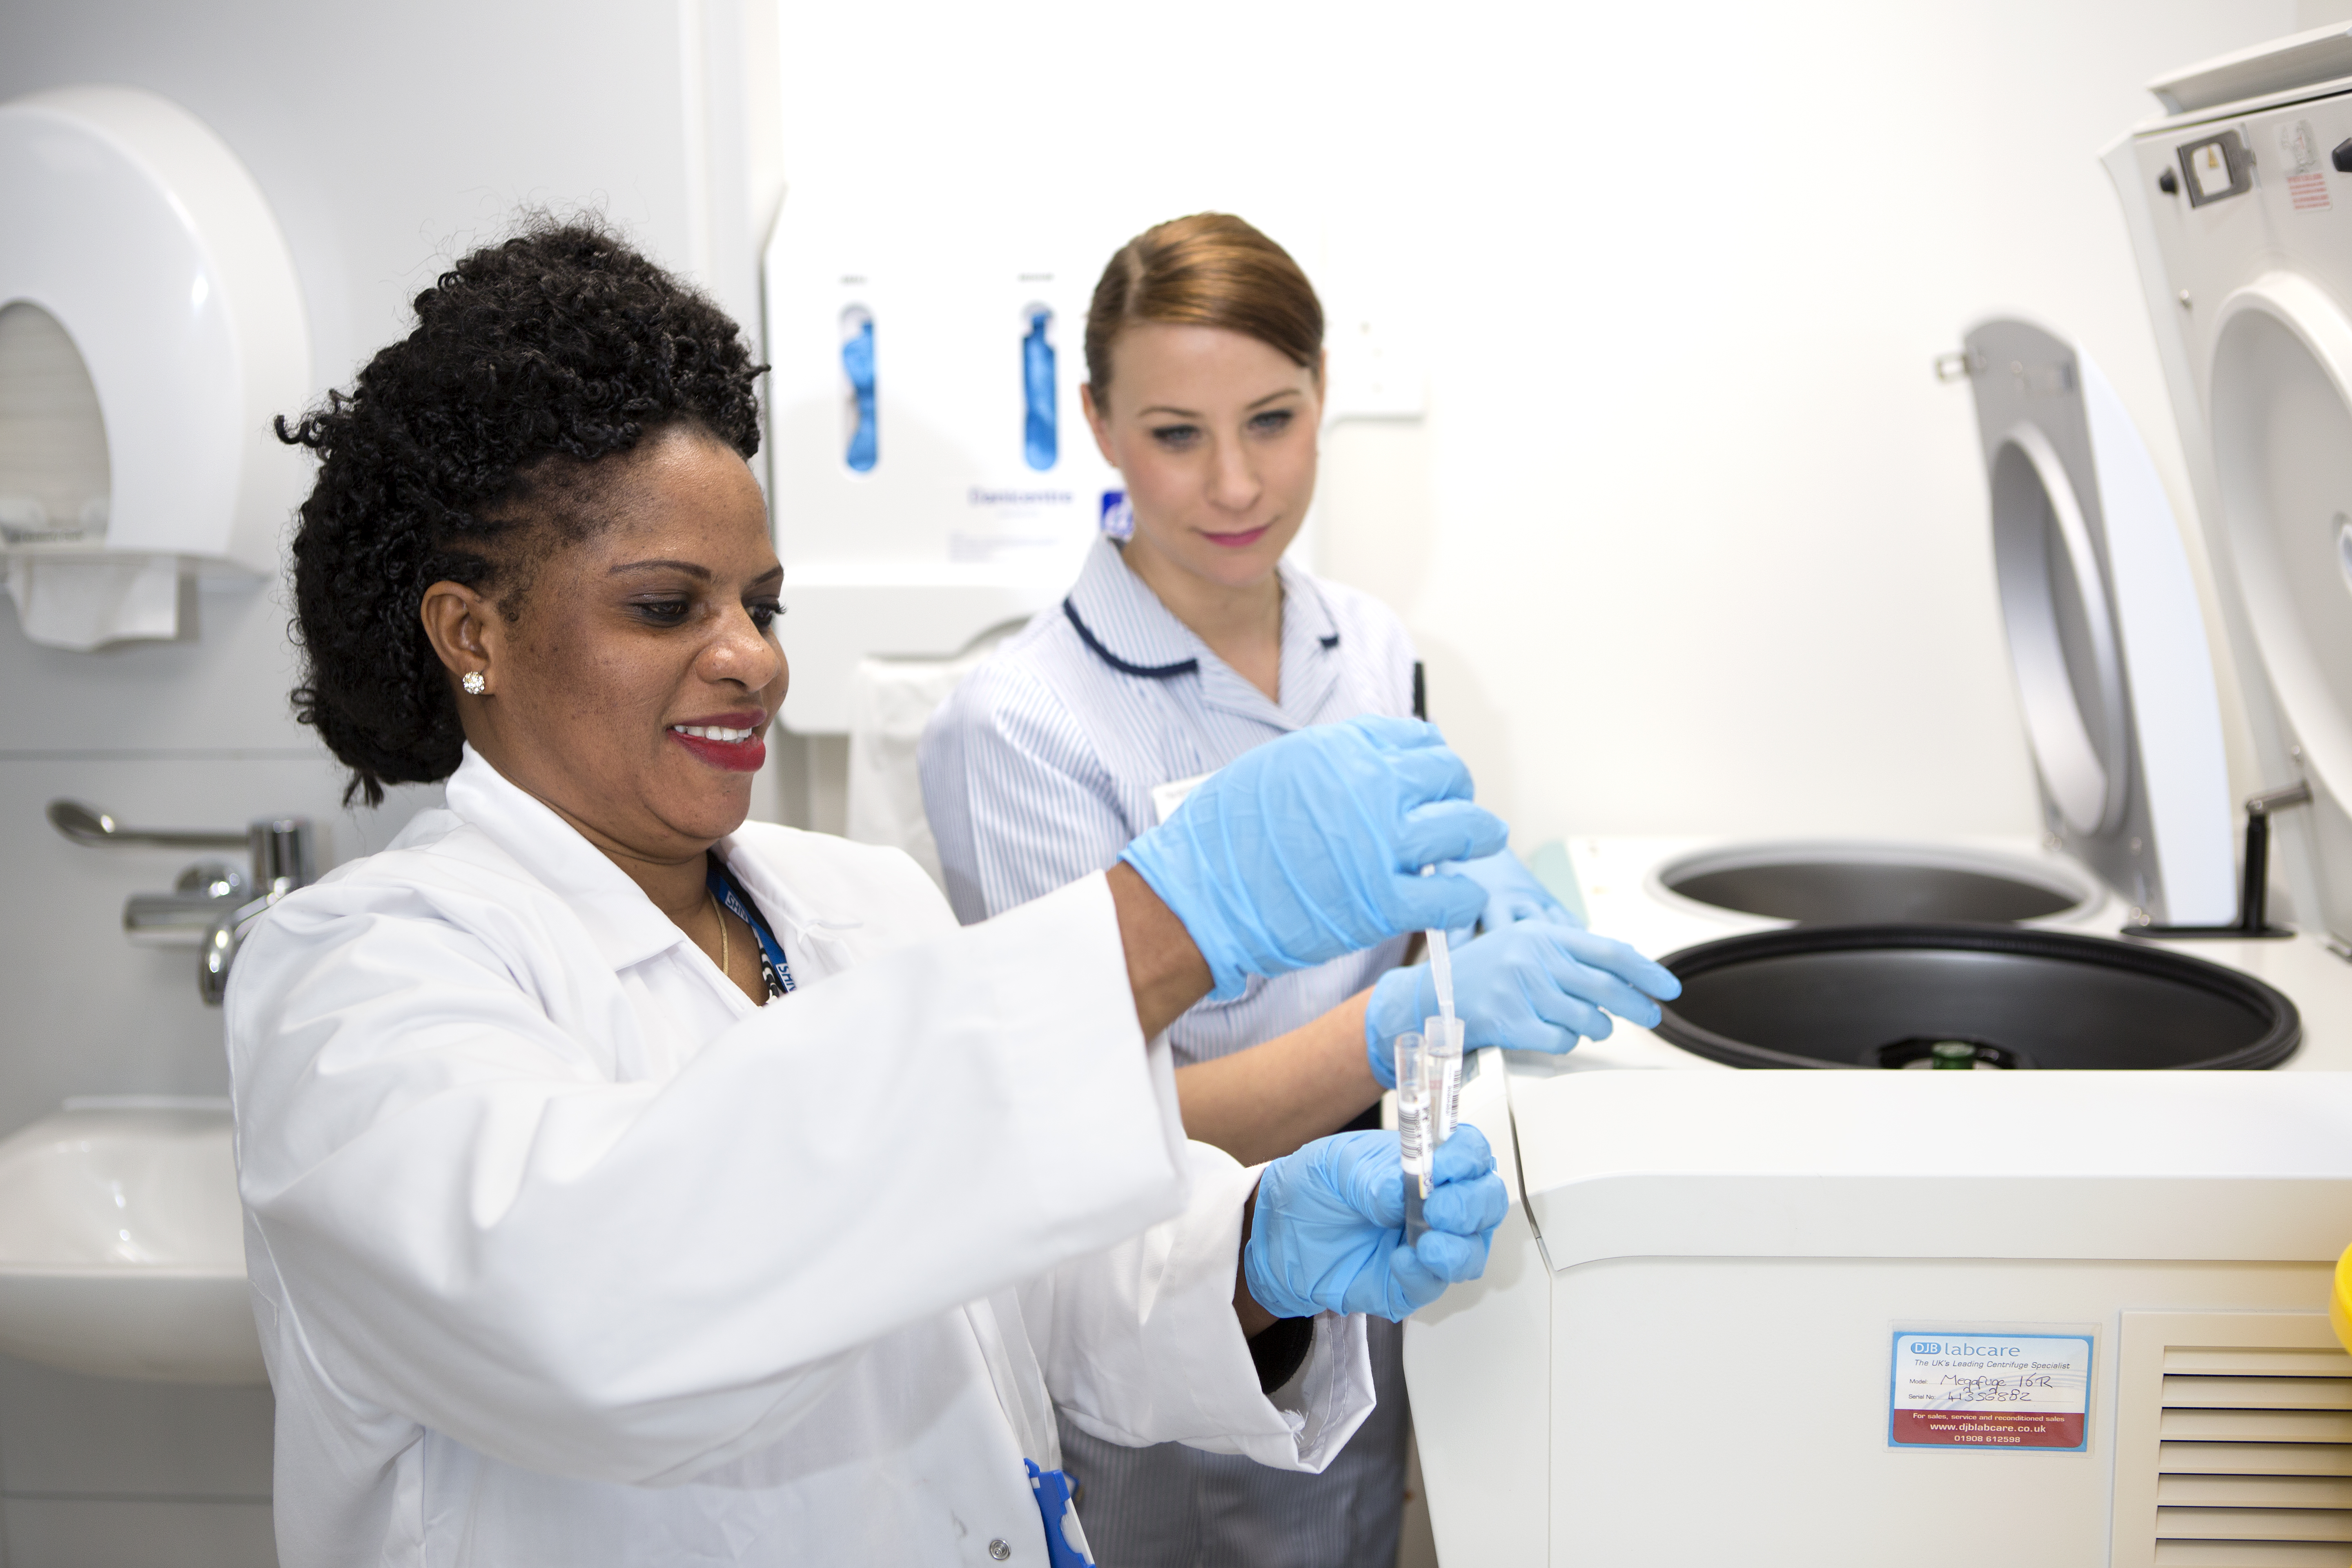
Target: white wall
1692 540
1709 544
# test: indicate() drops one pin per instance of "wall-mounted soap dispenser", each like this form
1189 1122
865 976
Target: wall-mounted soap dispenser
861 439
1041 418
151 325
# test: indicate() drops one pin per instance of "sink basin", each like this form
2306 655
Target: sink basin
123 1247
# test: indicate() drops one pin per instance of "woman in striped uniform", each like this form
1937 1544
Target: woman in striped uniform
1183 644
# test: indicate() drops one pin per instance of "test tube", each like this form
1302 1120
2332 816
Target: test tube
1443 1049
1412 1129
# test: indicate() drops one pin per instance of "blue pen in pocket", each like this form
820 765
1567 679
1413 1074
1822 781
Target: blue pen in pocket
1065 1541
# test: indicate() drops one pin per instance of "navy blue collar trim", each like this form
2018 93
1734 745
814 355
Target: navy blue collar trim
1149 671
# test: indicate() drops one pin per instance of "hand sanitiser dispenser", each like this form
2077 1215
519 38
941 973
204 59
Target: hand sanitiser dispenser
150 323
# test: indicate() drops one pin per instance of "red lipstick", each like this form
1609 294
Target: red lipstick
734 741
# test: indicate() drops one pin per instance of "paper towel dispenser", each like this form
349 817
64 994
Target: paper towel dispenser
151 325
54 473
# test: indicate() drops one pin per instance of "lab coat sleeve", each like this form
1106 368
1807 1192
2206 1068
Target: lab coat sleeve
1139 1344
469 1223
1018 801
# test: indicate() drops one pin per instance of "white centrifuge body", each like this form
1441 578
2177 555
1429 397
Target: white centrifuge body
1685 1348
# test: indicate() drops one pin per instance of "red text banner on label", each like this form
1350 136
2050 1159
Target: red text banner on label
1988 1429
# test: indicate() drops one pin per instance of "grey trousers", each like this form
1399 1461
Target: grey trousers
1173 1507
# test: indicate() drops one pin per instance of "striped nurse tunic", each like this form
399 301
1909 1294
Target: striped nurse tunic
1038 771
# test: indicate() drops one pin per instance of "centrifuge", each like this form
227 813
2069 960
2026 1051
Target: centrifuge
1938 1222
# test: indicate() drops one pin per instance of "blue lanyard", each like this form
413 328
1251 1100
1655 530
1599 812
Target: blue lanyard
774 968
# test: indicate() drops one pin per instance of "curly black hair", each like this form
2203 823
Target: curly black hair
532 359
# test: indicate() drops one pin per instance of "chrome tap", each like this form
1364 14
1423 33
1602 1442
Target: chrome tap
213 903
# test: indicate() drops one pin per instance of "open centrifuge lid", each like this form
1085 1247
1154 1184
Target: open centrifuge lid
2280 411
2106 636
2297 62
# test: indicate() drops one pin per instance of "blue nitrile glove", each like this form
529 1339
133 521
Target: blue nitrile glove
1534 986
1328 1235
1513 894
1310 846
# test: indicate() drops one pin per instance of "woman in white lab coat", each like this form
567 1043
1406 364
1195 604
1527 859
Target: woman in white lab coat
629 1183
1184 645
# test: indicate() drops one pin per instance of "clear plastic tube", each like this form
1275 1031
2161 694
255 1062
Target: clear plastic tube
1441 970
1442 1047
1412 1129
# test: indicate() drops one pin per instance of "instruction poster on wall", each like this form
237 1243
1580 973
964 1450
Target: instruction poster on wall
1990 1391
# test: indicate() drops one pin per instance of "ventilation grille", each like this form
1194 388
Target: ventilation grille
2234 1442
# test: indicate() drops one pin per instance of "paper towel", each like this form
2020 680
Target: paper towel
82 603
891 701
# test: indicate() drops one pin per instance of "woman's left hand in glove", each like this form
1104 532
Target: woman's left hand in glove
1532 986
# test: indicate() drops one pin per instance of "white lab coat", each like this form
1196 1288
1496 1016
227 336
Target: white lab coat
563 1253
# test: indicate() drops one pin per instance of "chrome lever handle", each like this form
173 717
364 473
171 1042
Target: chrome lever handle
213 904
280 846
85 825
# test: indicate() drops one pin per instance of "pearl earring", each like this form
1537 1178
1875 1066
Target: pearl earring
475 683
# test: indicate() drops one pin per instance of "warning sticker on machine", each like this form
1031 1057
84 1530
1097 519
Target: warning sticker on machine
1990 1391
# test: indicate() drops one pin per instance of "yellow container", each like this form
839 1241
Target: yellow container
2339 1300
